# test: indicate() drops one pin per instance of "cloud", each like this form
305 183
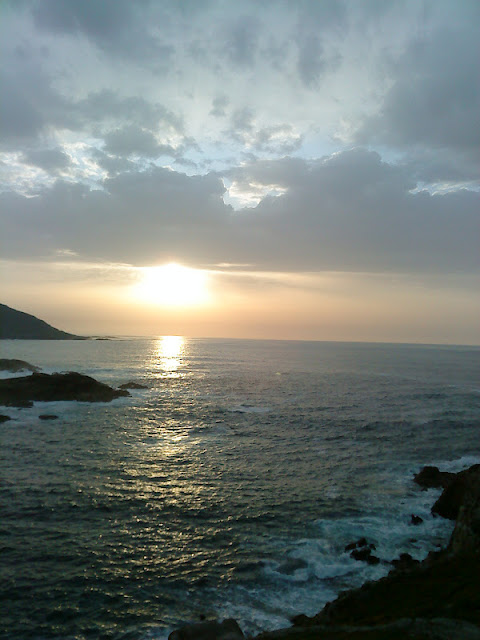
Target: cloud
434 101
116 27
131 140
346 212
219 105
241 40
47 159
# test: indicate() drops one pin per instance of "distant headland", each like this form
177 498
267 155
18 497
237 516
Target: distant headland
17 325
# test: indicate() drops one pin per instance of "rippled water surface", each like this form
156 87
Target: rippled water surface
228 487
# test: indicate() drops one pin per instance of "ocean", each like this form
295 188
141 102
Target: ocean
229 487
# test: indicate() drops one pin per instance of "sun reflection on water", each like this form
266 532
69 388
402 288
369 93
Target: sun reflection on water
168 354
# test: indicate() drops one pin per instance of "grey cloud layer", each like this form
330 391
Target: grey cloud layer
350 212
123 88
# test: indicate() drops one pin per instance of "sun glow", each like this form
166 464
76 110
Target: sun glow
173 285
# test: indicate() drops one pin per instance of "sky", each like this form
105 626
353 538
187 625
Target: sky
287 169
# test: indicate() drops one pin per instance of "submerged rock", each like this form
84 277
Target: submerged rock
14 366
48 416
226 630
289 566
132 385
4 418
22 392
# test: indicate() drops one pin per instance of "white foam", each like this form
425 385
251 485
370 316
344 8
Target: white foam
244 408
458 465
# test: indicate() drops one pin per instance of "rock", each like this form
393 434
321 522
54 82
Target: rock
438 598
132 385
4 418
364 554
14 366
21 392
362 550
448 504
416 520
466 535
48 416
291 565
402 629
405 562
226 630
362 542
433 478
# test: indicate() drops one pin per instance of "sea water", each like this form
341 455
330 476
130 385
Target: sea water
229 487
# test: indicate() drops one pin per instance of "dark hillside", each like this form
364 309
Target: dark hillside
17 325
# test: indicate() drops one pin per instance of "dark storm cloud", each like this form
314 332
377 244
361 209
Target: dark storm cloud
133 140
112 164
219 105
275 139
29 104
31 107
349 212
434 100
311 62
106 104
241 40
115 26
47 159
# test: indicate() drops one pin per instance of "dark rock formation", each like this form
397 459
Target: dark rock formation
405 562
403 629
416 520
466 535
438 598
14 366
22 392
362 550
362 542
226 630
4 418
132 385
433 478
17 325
291 565
48 416
449 503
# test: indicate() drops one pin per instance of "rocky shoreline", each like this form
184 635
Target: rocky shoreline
436 599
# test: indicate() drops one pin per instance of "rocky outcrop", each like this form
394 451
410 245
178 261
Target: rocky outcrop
4 418
361 550
17 325
433 478
15 366
437 599
453 497
23 391
211 630
466 535
403 629
132 385
445 585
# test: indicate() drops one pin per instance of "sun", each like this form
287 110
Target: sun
172 285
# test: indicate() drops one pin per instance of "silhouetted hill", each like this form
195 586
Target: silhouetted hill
17 325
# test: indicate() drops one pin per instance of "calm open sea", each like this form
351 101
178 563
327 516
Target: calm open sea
229 487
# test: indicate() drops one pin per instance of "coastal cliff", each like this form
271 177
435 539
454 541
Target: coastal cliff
17 325
438 598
